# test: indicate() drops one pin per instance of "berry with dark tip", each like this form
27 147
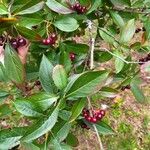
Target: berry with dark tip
72 56
14 43
21 42
84 126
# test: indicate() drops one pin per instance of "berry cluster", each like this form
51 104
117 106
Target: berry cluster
145 59
79 8
95 116
16 43
51 40
139 29
72 56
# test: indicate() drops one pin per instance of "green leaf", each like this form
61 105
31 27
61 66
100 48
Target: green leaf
106 36
32 9
29 146
57 7
117 18
61 130
127 31
85 84
77 109
55 145
72 140
9 142
103 128
5 110
119 64
10 138
121 2
60 77
137 92
30 20
95 5
44 128
40 101
65 61
108 92
147 27
76 47
3 9
45 74
3 75
13 65
66 24
28 33
27 108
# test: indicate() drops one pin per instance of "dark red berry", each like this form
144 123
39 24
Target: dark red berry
102 112
72 56
22 42
53 36
99 116
44 41
14 43
89 118
85 115
93 119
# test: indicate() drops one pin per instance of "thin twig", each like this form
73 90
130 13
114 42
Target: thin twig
92 43
131 10
127 62
98 137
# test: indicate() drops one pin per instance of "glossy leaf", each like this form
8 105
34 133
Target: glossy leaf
118 20
108 92
60 77
103 128
28 33
76 47
106 36
95 5
46 126
61 131
77 109
66 24
137 92
57 7
127 31
3 9
10 138
13 65
45 74
72 140
27 108
119 64
85 84
32 9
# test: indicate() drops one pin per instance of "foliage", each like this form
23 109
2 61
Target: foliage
51 89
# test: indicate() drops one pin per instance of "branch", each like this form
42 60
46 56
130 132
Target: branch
131 10
127 62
